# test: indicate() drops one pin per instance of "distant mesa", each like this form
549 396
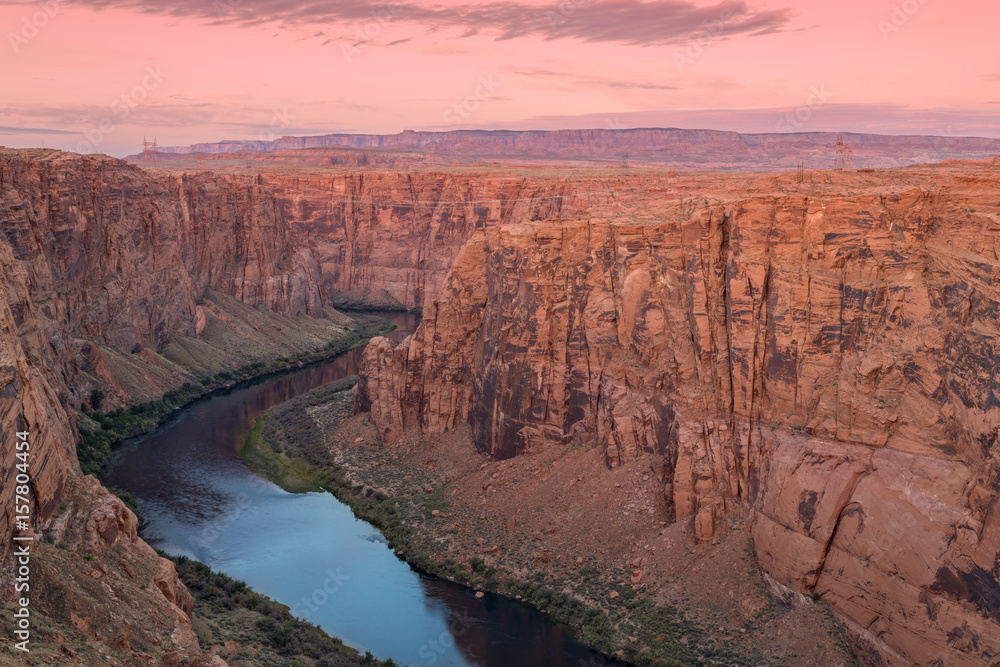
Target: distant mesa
695 149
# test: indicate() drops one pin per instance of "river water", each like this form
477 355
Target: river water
308 551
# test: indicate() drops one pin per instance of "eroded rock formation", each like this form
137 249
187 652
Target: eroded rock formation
823 366
398 233
123 255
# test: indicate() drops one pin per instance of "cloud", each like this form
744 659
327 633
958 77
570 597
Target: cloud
622 21
83 117
4 129
639 85
591 82
80 118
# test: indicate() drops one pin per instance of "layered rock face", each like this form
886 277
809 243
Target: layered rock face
94 250
120 256
389 238
822 366
124 255
29 401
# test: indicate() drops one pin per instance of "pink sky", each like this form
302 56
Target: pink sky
97 75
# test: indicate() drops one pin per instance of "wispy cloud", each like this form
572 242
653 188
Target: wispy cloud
593 81
623 21
638 85
4 129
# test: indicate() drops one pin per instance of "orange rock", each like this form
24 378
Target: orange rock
819 365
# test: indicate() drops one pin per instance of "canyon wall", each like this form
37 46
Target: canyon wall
29 401
821 366
387 239
94 251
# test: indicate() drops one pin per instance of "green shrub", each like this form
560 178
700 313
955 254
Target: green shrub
96 400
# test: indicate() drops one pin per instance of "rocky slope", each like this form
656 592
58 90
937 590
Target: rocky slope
121 257
104 269
817 363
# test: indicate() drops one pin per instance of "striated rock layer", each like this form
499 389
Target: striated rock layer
395 233
821 365
124 255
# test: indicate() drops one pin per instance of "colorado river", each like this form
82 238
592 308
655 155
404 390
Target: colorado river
308 551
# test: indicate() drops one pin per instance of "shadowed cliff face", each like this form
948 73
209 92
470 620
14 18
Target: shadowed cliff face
29 401
400 232
123 255
822 366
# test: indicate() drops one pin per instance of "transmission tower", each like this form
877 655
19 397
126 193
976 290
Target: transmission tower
150 150
843 156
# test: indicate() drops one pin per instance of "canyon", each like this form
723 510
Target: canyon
386 237
813 359
129 284
804 361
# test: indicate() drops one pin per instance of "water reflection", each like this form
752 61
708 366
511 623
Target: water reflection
307 550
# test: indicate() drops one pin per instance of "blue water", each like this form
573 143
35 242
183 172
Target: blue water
198 499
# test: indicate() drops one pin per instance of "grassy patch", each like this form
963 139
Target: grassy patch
291 473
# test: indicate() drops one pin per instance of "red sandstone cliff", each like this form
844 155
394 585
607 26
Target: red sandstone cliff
398 233
124 254
822 365
94 251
